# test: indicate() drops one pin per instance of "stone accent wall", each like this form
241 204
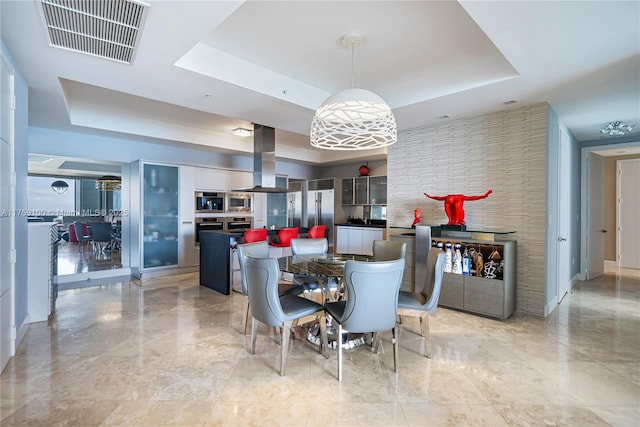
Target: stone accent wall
505 152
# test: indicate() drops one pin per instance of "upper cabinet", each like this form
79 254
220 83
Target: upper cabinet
239 180
364 190
211 179
378 190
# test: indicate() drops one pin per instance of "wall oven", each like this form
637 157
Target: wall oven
239 202
208 223
209 202
239 223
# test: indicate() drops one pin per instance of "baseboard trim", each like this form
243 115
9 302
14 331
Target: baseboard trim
575 279
92 278
552 305
150 274
610 265
21 332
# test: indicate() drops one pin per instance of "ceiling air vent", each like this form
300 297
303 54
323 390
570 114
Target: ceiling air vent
106 28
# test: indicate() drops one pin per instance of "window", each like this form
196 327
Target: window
44 201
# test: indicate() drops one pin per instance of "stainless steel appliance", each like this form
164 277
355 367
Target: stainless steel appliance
321 206
295 205
239 223
209 202
239 202
208 223
378 212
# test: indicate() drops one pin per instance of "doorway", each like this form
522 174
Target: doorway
596 257
69 193
628 212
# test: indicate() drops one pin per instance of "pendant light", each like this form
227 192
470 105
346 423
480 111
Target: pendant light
59 186
109 183
353 119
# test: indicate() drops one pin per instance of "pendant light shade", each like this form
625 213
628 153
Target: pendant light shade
109 183
353 119
59 186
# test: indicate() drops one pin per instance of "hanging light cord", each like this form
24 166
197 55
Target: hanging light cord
353 78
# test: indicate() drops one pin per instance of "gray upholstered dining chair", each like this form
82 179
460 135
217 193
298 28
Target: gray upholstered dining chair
386 250
372 302
424 302
272 309
309 247
101 235
259 250
82 234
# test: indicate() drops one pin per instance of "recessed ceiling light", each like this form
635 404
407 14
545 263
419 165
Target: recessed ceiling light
445 116
242 132
509 102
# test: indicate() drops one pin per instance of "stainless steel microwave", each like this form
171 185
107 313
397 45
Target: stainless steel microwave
239 202
209 202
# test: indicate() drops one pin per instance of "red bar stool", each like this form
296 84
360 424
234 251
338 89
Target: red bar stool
317 231
284 237
255 235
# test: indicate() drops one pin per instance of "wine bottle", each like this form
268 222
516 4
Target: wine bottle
448 258
457 260
466 262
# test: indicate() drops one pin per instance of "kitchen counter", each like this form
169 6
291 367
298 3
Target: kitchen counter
361 225
240 232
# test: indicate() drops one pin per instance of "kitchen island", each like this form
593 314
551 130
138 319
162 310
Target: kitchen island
217 260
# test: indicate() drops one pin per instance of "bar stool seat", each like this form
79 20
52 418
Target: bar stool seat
253 235
284 237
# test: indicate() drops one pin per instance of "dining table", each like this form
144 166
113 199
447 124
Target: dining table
328 270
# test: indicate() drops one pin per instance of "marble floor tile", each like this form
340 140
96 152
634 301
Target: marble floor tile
165 351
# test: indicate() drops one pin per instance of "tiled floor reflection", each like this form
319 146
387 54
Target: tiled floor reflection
75 260
170 353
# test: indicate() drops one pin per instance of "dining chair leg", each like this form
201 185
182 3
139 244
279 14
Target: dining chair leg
396 346
323 336
427 333
286 333
254 333
246 318
422 325
339 344
376 342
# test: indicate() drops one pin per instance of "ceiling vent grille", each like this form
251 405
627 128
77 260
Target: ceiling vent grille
106 28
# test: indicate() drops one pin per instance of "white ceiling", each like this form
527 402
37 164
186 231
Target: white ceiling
204 68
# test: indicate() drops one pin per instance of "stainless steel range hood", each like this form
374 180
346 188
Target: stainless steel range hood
264 162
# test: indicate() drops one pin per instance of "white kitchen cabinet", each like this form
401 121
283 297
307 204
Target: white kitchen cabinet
39 278
357 240
210 179
239 180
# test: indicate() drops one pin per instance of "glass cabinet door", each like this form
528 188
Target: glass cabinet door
347 191
362 190
277 206
160 215
378 190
